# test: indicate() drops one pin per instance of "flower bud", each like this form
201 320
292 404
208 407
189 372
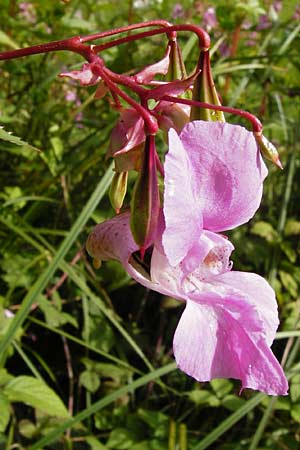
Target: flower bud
118 190
176 70
145 199
204 91
268 150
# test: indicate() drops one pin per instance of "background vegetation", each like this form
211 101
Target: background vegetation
86 360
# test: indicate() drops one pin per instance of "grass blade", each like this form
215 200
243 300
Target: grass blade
43 280
229 422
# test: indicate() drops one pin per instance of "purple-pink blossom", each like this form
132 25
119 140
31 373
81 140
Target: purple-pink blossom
213 182
210 20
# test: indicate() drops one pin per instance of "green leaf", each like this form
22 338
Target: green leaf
289 283
295 388
90 380
265 230
295 413
94 443
6 40
292 228
154 419
221 386
121 439
5 377
232 402
4 412
287 248
202 397
35 393
9 137
27 428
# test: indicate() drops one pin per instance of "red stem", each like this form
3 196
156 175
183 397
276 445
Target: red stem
73 44
135 26
204 39
151 126
76 43
256 124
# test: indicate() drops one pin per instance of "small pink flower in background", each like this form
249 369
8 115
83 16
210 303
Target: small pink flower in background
224 49
277 5
252 39
213 182
210 20
71 96
264 22
178 11
27 10
296 14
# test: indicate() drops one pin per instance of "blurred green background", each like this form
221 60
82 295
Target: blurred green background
87 363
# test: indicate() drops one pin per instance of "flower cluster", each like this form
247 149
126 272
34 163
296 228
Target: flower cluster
210 180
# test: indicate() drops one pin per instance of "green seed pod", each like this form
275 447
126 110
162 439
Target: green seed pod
268 150
204 91
118 190
145 200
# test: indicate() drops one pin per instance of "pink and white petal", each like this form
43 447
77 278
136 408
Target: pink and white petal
183 217
226 172
146 75
212 341
112 239
261 295
85 75
127 134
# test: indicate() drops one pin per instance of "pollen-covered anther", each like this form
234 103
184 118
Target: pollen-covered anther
217 260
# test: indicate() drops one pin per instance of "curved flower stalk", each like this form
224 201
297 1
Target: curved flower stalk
230 318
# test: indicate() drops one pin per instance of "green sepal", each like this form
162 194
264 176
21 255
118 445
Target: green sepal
204 91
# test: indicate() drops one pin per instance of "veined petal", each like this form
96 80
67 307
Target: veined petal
112 239
223 337
183 216
262 297
226 172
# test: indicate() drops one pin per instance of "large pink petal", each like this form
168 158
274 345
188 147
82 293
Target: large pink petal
261 294
226 172
183 216
223 337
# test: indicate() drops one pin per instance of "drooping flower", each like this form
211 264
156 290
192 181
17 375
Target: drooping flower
213 182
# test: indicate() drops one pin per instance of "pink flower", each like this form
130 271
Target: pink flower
213 181
85 75
210 20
